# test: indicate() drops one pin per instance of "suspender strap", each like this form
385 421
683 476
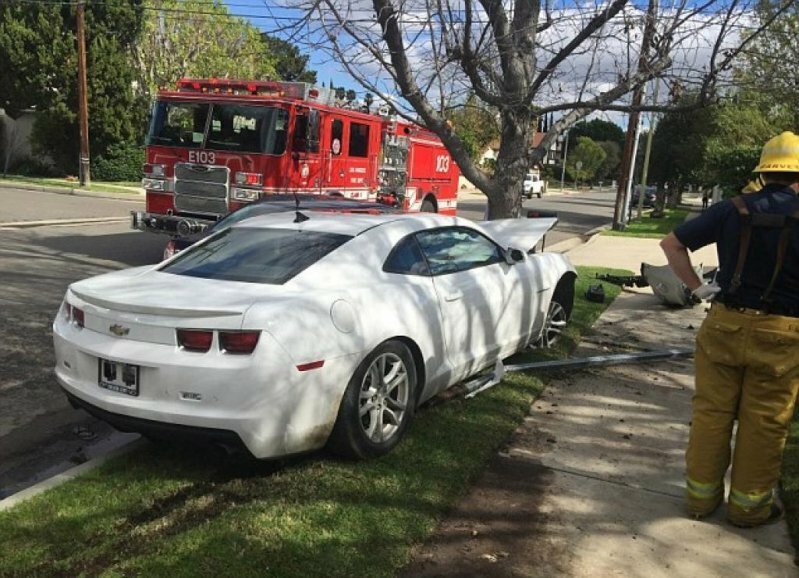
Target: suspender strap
785 236
743 248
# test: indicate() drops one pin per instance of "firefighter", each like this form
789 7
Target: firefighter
747 350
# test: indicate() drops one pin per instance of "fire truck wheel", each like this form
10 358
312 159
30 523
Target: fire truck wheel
428 206
378 404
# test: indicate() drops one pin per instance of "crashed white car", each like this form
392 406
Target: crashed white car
287 332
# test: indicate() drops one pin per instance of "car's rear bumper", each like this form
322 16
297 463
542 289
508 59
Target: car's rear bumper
269 405
157 429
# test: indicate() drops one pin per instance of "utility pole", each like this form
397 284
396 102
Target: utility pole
631 175
563 160
83 108
648 150
619 217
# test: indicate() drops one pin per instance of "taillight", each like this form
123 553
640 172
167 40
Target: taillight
77 316
238 341
195 340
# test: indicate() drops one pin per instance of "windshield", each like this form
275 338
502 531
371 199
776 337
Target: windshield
232 127
270 256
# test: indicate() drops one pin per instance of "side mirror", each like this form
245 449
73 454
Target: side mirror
513 256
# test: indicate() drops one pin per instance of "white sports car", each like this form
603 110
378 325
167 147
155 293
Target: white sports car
290 331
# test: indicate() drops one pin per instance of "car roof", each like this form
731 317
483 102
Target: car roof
352 224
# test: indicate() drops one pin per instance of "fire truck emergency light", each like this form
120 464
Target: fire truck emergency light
251 179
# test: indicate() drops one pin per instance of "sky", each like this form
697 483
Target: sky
326 70
605 68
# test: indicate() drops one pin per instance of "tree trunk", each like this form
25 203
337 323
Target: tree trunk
505 192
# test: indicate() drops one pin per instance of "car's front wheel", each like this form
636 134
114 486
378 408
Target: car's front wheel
558 314
378 404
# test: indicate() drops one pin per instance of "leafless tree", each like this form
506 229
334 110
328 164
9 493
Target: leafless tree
528 58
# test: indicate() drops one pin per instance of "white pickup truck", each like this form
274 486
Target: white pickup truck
533 185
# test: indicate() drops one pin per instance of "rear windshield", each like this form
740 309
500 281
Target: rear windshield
270 256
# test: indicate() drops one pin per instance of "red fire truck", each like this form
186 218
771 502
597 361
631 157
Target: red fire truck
216 144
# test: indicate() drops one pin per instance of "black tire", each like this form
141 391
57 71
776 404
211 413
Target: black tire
558 314
539 195
389 406
529 196
428 206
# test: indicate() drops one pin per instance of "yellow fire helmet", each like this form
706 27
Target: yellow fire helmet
780 155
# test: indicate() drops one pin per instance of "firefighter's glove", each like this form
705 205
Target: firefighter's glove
706 291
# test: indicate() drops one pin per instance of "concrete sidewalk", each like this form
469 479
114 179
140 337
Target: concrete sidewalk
591 485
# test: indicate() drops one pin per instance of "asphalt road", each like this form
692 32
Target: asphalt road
40 433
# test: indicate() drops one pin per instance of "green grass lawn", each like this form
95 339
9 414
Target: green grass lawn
96 186
647 227
173 511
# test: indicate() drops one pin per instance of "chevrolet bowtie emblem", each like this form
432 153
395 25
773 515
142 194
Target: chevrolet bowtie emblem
118 330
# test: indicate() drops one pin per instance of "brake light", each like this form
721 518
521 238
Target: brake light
78 316
238 341
195 340
249 179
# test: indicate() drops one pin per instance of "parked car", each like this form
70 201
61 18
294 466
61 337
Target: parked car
533 185
278 203
289 331
650 196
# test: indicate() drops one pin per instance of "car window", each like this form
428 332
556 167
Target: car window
457 249
250 255
406 258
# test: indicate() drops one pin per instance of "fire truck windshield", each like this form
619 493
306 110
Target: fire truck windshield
232 127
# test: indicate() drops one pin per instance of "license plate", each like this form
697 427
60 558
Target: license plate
119 377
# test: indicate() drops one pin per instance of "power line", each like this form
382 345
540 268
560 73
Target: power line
370 20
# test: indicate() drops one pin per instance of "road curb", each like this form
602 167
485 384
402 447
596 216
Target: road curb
75 192
70 474
51 222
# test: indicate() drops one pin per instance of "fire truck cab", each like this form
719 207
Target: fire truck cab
214 145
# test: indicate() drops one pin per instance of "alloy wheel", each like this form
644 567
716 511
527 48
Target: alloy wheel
384 395
554 325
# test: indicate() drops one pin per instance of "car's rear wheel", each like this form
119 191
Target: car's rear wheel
378 404
428 206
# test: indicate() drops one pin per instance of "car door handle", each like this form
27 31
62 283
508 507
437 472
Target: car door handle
454 296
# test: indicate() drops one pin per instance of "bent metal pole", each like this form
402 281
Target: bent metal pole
598 360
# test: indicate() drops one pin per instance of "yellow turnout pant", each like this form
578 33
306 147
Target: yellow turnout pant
747 368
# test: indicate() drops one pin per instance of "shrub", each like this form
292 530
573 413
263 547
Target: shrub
122 162
32 167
